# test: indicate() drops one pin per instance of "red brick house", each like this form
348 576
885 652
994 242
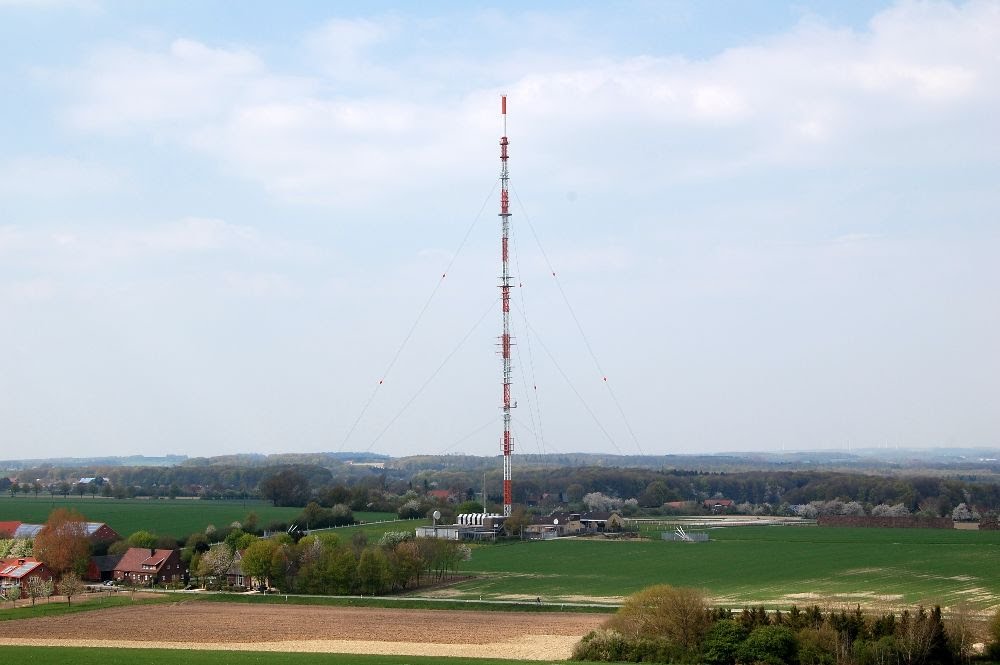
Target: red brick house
7 529
17 572
441 495
716 505
99 532
145 567
96 532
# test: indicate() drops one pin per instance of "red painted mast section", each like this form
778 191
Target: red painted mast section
505 338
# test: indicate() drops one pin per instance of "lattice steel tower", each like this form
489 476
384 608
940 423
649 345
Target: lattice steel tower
505 338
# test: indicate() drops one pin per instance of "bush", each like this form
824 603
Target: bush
875 652
678 614
775 645
722 642
612 646
818 646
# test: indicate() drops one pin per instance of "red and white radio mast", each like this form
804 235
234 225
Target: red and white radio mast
505 339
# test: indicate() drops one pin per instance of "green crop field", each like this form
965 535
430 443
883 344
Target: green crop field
375 527
102 656
775 566
171 517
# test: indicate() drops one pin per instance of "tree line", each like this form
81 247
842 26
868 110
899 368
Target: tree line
547 486
675 625
324 563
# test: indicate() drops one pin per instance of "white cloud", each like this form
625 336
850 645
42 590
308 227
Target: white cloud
589 260
195 256
98 246
82 5
342 48
259 285
27 291
807 97
192 234
122 90
46 176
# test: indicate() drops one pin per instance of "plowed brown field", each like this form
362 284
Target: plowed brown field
229 626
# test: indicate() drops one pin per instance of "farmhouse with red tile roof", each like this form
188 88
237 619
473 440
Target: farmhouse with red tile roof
718 504
17 572
144 567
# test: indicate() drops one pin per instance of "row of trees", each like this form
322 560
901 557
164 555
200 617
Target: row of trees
669 624
69 585
326 564
545 484
62 488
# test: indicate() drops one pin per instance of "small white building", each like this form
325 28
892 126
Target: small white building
446 532
470 526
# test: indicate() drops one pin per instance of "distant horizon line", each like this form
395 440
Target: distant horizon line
349 455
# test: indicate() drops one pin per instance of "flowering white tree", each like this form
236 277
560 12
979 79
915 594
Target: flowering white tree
828 507
36 588
598 502
885 510
215 562
393 538
21 548
12 594
963 513
806 510
853 508
410 509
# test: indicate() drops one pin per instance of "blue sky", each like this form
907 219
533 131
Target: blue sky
775 224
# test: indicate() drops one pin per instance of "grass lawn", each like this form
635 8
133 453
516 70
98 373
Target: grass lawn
771 565
172 517
101 656
83 603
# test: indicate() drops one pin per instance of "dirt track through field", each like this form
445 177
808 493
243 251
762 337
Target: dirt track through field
230 626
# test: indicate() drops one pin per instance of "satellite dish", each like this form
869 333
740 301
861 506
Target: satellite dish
437 514
555 521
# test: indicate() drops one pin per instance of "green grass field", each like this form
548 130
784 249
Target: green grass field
101 656
776 566
374 531
172 517
84 603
